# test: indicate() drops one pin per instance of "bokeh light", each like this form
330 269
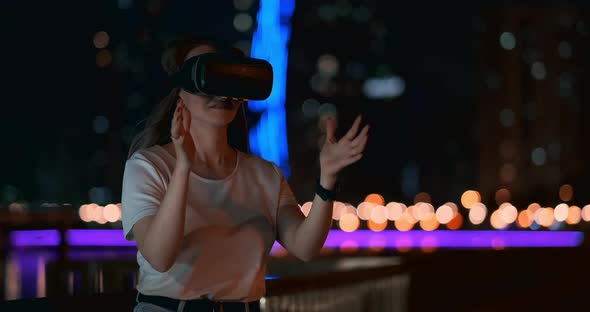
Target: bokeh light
525 219
430 223
422 197
456 223
538 70
566 192
101 39
507 117
560 213
310 108
328 65
379 214
338 210
243 22
349 222
470 198
306 207
502 196
403 225
545 216
478 213
507 40
496 221
574 215
395 210
586 213
84 213
327 110
243 5
111 213
423 211
375 199
533 207
508 213
538 156
104 58
444 214
365 209
376 226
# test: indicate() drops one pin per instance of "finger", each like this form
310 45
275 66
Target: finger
359 148
362 136
354 129
351 160
186 118
175 127
330 129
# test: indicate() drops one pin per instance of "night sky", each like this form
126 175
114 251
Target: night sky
426 140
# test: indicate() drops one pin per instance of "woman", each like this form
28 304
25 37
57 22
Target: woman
205 214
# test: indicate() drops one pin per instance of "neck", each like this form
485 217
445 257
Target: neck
211 145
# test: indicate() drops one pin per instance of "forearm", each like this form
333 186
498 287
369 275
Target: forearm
166 231
312 232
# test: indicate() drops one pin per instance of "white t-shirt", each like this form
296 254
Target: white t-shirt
230 225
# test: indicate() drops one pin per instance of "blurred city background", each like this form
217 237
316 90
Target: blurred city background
476 149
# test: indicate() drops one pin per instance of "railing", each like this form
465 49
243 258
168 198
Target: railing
327 284
342 284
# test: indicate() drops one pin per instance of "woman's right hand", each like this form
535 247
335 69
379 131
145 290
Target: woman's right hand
181 136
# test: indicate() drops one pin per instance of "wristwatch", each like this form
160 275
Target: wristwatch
325 194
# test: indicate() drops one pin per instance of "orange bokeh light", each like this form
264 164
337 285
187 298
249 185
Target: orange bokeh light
470 198
574 216
375 199
422 197
525 219
429 224
502 196
403 225
376 227
456 223
566 192
349 222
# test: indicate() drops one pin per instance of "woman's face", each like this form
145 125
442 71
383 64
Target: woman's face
209 110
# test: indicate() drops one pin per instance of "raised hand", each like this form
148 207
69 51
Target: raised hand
337 154
181 137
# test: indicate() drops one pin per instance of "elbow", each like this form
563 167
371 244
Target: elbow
161 265
162 268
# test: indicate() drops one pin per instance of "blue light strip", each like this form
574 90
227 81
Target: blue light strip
268 139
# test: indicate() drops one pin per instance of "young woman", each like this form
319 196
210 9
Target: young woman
204 213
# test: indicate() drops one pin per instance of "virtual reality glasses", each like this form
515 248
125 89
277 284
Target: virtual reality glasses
227 75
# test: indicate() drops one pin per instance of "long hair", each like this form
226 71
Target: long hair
157 125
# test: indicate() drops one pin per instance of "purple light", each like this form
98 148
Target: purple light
35 238
93 254
338 238
97 238
450 239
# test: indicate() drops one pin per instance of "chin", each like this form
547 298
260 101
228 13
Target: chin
220 117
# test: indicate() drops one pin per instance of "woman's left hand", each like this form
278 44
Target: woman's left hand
337 154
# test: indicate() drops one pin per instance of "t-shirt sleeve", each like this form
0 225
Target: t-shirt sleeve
142 191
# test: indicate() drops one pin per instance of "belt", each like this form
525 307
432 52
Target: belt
199 305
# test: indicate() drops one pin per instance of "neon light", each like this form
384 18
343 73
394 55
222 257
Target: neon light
97 238
268 139
35 238
454 239
338 238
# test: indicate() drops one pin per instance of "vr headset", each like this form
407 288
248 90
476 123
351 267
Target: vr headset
227 75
